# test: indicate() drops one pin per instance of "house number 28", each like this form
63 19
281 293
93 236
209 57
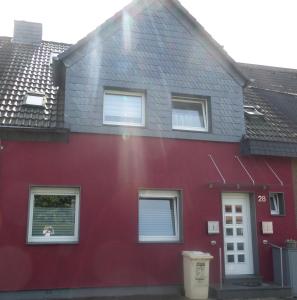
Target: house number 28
261 198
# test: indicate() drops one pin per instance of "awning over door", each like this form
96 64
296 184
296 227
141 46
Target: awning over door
237 171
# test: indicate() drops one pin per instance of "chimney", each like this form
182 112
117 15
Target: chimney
27 32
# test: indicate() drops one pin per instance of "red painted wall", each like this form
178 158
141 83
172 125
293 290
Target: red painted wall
110 171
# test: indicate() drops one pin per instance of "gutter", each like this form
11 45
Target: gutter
15 133
249 146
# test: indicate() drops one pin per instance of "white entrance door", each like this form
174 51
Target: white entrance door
238 251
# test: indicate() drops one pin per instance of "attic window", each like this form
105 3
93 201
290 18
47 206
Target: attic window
252 110
34 99
53 55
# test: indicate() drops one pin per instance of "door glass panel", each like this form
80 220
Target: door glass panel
230 246
240 258
240 246
228 219
238 219
228 208
230 258
238 208
229 231
239 231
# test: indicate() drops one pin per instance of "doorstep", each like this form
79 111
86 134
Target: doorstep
250 291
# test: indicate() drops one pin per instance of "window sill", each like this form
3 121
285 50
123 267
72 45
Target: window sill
277 215
124 124
44 241
51 243
190 129
161 242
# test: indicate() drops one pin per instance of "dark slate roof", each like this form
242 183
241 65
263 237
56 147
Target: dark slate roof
271 78
25 68
274 92
279 120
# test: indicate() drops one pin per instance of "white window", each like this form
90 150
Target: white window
34 99
53 215
277 205
189 114
123 108
159 216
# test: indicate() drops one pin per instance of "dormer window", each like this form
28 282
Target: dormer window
252 110
53 56
34 99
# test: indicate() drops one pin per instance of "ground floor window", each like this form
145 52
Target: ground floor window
277 205
53 215
159 216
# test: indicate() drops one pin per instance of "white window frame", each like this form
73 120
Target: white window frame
194 101
277 211
125 93
157 194
72 191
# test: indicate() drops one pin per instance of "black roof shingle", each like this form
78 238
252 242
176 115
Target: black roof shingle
26 68
274 92
271 78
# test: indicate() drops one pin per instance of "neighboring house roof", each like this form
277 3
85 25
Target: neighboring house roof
277 122
137 5
26 68
273 92
271 78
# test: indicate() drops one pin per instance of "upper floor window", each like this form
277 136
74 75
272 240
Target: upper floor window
189 113
53 215
123 108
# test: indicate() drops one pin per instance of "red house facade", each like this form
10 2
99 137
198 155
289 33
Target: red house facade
131 146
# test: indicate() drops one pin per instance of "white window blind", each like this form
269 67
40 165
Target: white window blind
123 109
53 215
158 218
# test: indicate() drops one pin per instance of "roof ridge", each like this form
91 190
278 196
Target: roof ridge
54 42
42 41
266 67
274 91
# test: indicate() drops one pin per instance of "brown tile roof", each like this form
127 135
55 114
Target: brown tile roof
26 68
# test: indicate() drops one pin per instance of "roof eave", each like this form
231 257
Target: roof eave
253 146
35 134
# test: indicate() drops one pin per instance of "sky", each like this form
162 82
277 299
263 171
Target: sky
254 31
